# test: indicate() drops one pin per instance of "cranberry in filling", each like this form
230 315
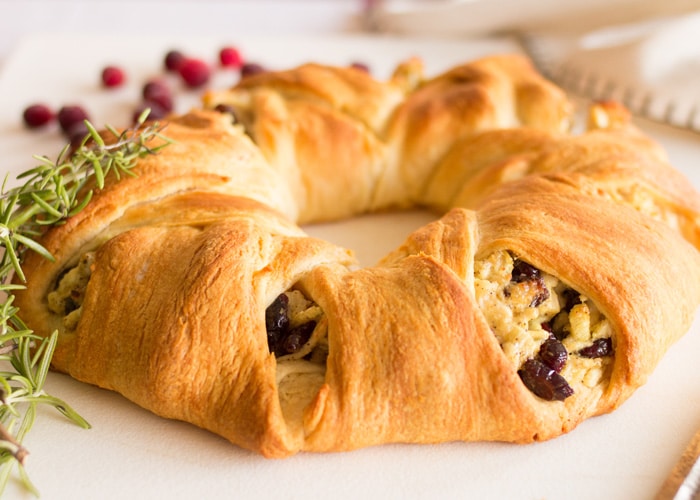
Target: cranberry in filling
544 382
522 271
295 338
526 275
556 338
277 321
553 354
290 322
600 348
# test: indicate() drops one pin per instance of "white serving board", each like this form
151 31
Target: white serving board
130 453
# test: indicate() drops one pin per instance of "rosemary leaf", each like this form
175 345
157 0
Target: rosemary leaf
94 134
45 205
43 358
99 173
82 204
62 408
33 245
27 421
26 481
51 192
11 253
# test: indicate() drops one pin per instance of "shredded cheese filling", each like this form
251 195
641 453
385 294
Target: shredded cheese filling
311 357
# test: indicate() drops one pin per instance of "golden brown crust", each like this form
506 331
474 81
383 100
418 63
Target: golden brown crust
190 323
611 253
491 93
207 156
316 123
191 252
450 382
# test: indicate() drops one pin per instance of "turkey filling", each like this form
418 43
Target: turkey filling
297 335
66 299
554 336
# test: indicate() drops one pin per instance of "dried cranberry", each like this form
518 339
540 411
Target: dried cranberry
600 348
250 69
553 354
571 299
194 72
296 338
68 116
276 319
37 115
522 271
541 295
173 60
526 273
113 76
544 382
229 57
228 110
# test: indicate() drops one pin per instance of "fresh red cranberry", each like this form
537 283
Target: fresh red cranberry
76 133
230 57
70 115
113 76
156 111
155 86
249 69
173 60
37 115
157 91
194 72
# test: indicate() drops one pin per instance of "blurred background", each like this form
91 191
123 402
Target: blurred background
445 18
20 18
645 53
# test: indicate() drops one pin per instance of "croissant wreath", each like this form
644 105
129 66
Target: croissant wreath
562 268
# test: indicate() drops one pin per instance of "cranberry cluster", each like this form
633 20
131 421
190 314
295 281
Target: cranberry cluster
71 118
156 94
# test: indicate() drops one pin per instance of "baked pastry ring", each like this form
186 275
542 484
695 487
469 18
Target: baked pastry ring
563 268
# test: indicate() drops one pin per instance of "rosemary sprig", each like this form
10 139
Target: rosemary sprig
51 192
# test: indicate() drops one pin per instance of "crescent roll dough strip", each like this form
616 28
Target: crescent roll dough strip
445 141
391 133
191 290
612 163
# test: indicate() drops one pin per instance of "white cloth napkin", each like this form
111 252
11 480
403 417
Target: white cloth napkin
652 67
